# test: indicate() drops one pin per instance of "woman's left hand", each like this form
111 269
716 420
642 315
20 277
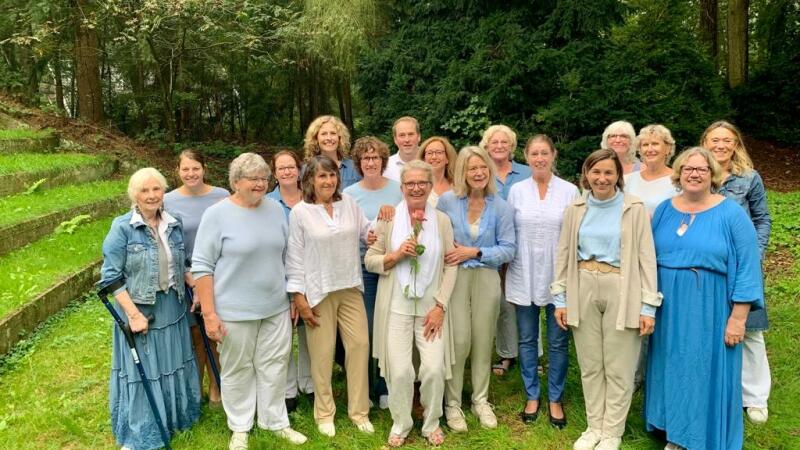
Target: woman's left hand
734 331
386 213
432 327
647 325
460 254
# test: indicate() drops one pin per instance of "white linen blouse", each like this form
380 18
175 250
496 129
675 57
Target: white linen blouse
538 226
323 253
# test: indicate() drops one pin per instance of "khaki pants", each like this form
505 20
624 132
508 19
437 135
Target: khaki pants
607 356
342 310
404 333
474 307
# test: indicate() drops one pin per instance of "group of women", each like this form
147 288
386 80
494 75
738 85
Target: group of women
456 260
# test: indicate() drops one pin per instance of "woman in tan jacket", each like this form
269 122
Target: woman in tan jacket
411 304
605 289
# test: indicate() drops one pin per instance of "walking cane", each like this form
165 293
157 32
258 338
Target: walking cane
206 343
126 330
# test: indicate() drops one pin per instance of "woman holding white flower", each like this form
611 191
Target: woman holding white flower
411 305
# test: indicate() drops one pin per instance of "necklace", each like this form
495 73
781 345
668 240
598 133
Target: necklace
685 225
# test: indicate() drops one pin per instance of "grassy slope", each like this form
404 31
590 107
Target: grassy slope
24 133
55 391
39 162
21 207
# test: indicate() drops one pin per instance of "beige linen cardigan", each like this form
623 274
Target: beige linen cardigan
445 281
637 261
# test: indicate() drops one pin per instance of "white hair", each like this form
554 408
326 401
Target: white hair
140 177
244 165
622 127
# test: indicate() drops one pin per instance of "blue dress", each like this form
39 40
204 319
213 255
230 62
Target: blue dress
694 389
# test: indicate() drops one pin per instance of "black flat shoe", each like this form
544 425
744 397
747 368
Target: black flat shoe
529 417
560 422
291 404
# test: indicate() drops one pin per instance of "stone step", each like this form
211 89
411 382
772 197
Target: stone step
20 171
19 140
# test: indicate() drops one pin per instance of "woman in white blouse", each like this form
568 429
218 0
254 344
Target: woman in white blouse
324 278
539 203
653 184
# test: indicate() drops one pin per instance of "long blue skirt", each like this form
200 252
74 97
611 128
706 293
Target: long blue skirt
693 384
169 362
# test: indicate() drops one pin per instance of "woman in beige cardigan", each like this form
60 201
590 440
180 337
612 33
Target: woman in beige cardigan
605 289
411 305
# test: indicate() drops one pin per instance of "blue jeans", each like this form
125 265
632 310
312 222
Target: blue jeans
557 352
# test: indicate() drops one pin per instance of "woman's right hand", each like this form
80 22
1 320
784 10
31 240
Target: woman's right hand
138 323
214 328
561 317
407 249
304 311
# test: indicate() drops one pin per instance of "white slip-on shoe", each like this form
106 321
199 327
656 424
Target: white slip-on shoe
365 427
291 435
238 441
757 415
455 419
485 415
327 429
609 444
588 440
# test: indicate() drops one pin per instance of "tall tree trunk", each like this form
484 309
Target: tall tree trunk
347 96
57 74
737 42
165 83
73 110
708 28
87 69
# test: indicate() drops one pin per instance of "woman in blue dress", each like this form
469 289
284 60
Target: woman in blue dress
709 272
143 258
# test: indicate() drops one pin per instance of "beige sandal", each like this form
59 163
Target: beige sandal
436 437
395 440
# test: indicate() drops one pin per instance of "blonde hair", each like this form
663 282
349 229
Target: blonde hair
460 186
626 128
138 179
311 144
500 128
713 165
449 150
740 161
661 132
405 119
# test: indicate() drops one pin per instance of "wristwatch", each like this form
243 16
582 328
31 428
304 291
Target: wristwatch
479 255
440 305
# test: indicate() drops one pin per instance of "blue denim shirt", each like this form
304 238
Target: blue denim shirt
496 240
348 174
518 173
130 254
748 191
275 194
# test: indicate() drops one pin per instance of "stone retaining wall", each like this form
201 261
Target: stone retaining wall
42 144
19 182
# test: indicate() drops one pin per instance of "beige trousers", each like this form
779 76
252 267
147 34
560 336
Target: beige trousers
342 310
607 356
404 333
474 307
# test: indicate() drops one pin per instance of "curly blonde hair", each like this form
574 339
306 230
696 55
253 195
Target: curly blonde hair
311 145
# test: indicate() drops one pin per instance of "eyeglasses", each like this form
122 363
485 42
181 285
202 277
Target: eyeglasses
256 180
434 152
703 170
285 168
416 184
619 136
371 158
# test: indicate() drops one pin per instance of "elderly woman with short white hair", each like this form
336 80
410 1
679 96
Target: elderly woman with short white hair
238 266
621 137
143 266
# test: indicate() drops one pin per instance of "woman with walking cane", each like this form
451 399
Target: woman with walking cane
143 265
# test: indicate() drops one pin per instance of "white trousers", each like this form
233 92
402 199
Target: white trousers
298 378
404 333
254 356
756 380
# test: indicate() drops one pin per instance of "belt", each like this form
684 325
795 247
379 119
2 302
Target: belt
597 266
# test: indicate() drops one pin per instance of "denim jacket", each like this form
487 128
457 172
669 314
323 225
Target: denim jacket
748 191
497 238
130 254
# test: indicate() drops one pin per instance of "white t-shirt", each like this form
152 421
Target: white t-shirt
393 167
652 193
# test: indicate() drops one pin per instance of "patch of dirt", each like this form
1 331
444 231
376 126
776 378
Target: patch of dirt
778 262
778 165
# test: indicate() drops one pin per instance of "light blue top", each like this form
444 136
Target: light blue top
275 194
496 236
601 229
371 201
244 249
518 173
348 173
190 209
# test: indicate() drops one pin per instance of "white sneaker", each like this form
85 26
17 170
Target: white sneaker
671 446
365 427
485 415
757 415
291 435
383 402
588 440
455 419
609 444
327 429
238 441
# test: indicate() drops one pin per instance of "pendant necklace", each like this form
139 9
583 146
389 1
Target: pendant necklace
684 224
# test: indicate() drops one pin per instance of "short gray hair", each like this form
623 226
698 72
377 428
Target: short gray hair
500 128
626 128
140 177
244 165
417 164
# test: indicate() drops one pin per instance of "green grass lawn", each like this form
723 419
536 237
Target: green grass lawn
55 385
20 207
40 162
24 133
30 270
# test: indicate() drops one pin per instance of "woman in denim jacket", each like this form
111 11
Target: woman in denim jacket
742 184
143 262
